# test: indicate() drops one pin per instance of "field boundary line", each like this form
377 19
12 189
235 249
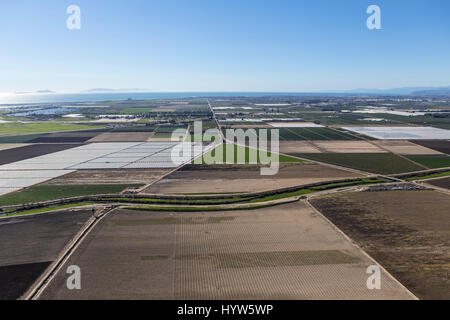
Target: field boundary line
186 135
296 134
335 166
44 280
219 127
50 211
216 207
342 233
412 173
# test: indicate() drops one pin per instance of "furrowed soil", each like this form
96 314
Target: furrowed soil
438 145
282 252
408 232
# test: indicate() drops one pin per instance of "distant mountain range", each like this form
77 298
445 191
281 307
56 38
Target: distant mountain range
415 91
424 91
37 91
444 91
100 90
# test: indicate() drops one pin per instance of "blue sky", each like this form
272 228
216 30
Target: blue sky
227 45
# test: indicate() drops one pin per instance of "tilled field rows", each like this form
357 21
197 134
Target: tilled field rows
283 252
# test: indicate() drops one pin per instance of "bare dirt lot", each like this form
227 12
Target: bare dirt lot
408 232
31 151
347 147
123 137
30 243
132 176
283 252
245 178
404 147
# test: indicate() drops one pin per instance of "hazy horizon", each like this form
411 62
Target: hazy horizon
125 90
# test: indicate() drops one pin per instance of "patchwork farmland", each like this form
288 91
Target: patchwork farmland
392 227
197 179
201 230
309 133
382 163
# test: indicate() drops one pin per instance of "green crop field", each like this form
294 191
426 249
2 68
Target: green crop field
246 152
432 161
44 193
16 128
382 163
169 129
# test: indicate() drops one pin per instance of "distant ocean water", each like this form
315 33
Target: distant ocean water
96 97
